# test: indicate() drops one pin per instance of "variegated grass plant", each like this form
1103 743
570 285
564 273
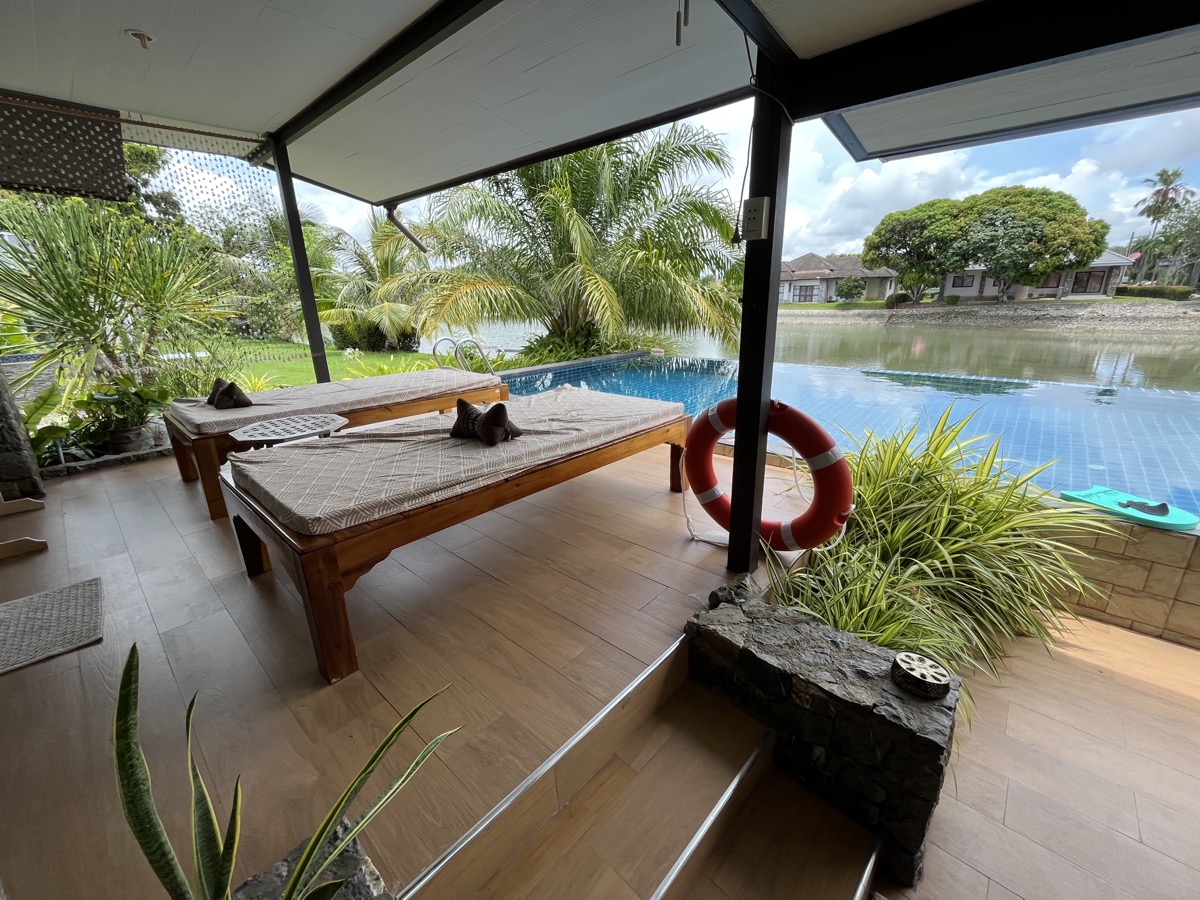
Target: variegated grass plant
214 855
949 552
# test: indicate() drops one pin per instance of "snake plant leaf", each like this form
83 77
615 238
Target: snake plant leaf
307 869
206 840
133 785
380 802
233 834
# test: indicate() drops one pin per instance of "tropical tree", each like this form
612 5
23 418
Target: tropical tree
1023 235
253 251
97 293
919 243
1168 193
592 244
371 291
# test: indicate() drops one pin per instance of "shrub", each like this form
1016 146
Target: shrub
894 300
360 335
367 336
850 288
952 299
948 553
1158 291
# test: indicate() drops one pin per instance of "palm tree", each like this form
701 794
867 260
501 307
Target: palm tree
252 249
591 245
371 289
1167 195
97 293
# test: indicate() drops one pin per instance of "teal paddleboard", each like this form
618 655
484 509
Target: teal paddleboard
1135 509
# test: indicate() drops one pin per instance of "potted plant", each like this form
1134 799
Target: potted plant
117 412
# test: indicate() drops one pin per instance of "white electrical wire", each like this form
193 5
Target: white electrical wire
696 536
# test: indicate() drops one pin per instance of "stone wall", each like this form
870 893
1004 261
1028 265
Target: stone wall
1149 581
842 727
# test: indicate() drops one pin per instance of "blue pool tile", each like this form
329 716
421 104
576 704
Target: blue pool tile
1142 441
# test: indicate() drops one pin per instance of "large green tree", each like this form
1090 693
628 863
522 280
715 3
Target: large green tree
1023 235
592 244
919 243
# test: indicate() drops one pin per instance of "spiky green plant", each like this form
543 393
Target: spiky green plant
213 856
949 552
97 294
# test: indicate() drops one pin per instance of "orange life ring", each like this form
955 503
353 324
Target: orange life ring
833 493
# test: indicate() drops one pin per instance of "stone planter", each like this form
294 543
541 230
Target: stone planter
363 881
843 728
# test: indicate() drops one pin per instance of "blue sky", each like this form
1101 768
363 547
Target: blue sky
834 202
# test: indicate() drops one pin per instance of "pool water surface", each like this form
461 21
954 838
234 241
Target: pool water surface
1141 441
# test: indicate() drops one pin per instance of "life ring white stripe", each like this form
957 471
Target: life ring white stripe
785 532
821 460
714 419
710 495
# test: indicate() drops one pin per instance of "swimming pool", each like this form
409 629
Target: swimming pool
1142 441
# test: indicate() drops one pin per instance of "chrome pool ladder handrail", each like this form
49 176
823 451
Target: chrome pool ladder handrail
457 354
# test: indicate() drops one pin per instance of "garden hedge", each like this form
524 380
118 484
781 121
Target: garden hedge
1159 291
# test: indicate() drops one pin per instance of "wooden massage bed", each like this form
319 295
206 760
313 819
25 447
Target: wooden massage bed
200 434
327 511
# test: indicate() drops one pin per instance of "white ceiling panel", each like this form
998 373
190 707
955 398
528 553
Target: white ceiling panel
1118 83
528 76
241 65
813 27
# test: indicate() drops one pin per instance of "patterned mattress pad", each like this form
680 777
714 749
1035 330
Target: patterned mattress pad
194 413
322 486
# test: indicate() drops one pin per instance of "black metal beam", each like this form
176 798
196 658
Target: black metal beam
770 148
304 283
443 21
851 76
611 134
759 29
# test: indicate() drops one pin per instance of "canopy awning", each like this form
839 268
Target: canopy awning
389 99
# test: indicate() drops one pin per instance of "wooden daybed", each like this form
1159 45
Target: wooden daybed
200 434
351 539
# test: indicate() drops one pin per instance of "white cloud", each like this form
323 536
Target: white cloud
834 202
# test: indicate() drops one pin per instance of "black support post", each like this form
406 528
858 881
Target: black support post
769 153
304 283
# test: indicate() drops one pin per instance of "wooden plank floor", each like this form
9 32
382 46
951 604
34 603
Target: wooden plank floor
536 615
1079 778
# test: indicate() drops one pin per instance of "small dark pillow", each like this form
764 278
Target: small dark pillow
489 428
231 396
219 385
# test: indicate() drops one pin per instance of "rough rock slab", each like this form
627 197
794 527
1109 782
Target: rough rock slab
363 879
844 729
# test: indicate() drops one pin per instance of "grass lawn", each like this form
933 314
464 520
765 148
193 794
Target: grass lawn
290 364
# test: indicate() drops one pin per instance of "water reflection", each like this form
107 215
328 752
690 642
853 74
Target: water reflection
1105 361
955 385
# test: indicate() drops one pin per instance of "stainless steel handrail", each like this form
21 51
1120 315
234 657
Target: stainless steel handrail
458 345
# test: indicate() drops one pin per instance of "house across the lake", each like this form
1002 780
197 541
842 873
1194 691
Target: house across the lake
813 279
1100 279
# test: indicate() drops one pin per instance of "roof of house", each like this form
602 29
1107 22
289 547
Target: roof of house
813 265
1109 258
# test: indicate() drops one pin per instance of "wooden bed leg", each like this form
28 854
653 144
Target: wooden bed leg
208 463
328 620
183 459
678 479
254 552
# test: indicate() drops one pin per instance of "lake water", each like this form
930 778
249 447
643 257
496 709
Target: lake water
1104 361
